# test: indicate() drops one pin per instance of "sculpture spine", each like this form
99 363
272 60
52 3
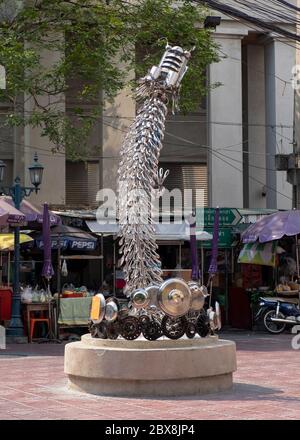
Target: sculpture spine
139 179
172 307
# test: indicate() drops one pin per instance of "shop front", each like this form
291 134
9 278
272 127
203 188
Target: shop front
221 282
267 264
173 242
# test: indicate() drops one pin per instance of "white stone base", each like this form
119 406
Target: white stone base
150 368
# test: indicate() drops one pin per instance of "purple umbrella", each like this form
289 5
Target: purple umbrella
213 268
194 253
9 215
273 227
32 213
47 271
3 216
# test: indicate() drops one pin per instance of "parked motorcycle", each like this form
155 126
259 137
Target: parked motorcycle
277 314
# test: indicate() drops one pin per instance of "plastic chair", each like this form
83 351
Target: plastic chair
33 321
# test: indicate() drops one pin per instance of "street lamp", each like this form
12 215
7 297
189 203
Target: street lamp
36 173
17 193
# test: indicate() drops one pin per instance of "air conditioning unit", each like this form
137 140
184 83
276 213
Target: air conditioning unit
281 162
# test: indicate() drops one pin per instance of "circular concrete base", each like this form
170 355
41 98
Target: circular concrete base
150 368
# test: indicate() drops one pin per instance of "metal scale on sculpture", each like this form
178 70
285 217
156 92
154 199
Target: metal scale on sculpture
170 314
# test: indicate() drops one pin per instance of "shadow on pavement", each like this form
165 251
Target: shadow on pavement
239 392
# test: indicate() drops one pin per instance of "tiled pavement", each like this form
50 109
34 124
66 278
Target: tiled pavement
266 386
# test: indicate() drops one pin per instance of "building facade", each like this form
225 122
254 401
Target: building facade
227 148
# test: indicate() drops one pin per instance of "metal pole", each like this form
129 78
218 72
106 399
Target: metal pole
202 265
232 264
16 327
297 257
296 131
179 256
210 291
1 266
8 269
58 284
226 285
102 262
114 264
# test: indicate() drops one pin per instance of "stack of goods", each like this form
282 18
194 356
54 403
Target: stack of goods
288 289
36 295
69 291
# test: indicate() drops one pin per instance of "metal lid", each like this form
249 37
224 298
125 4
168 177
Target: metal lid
140 298
174 297
198 298
153 292
111 310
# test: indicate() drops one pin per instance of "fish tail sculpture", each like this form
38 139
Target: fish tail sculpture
139 178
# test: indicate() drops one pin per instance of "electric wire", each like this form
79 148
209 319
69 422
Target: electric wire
218 154
265 22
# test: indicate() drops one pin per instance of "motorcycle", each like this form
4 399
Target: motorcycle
277 314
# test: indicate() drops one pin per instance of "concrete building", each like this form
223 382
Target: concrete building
227 147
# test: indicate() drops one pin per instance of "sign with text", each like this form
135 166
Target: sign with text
225 239
228 217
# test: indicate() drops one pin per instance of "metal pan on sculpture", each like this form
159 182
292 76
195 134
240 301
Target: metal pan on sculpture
174 297
153 292
198 295
140 298
111 310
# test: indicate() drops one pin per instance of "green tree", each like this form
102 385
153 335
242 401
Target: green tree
97 40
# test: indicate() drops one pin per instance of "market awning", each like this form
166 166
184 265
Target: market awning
103 229
7 241
274 227
32 213
66 237
164 232
263 254
9 215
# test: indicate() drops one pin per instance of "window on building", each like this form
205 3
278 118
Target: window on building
82 183
187 176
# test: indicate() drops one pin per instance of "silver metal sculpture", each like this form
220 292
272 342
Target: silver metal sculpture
139 179
156 307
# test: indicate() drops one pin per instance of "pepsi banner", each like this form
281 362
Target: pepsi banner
72 243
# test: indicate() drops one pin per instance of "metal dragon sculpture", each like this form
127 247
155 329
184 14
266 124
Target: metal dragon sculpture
139 178
156 307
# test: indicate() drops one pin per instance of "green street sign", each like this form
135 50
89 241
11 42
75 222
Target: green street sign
205 217
225 239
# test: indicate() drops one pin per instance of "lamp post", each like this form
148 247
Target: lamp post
17 192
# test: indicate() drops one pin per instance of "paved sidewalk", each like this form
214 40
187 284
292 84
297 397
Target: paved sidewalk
266 386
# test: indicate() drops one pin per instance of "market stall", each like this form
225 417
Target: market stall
173 241
72 245
224 260
28 214
6 261
270 257
33 213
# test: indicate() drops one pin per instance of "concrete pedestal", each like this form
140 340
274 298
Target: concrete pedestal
150 368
